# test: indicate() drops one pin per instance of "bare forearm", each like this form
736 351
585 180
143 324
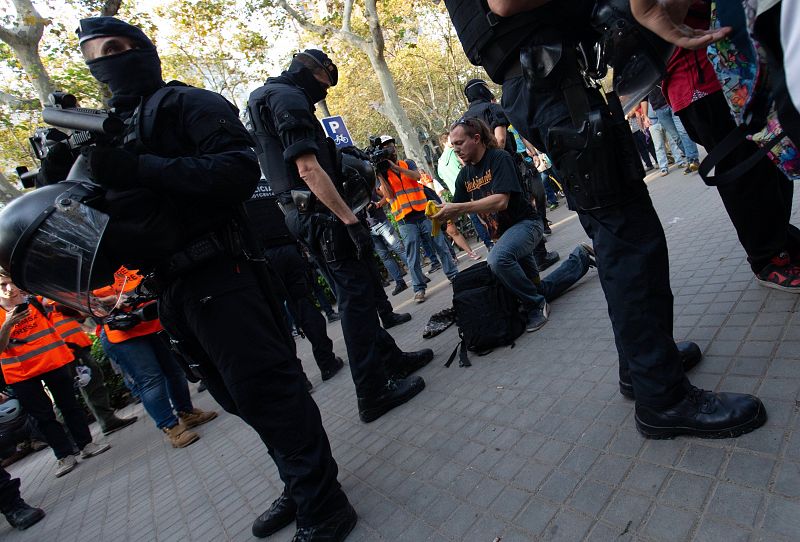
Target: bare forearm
500 135
322 187
505 8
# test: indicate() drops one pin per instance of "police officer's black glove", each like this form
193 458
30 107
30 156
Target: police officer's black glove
55 164
112 167
361 239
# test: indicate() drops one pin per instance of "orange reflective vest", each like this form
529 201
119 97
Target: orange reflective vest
408 193
126 280
70 329
34 348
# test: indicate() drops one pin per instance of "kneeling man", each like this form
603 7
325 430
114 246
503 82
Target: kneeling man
489 186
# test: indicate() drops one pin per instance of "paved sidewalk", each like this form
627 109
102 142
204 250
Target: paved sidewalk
531 443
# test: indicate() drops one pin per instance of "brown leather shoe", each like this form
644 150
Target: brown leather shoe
179 436
196 417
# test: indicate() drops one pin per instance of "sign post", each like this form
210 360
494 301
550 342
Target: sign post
336 130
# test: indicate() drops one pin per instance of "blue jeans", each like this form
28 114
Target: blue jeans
384 247
565 275
659 136
412 234
550 194
480 229
674 128
512 261
160 383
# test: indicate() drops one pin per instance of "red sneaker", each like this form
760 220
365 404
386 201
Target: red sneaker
780 274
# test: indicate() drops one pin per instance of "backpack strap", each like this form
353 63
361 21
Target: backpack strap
463 359
728 146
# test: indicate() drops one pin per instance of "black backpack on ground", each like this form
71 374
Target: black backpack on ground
487 314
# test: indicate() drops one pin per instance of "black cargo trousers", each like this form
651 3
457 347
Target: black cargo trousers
292 269
224 321
9 491
371 350
632 259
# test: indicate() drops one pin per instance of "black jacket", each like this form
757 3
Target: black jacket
285 128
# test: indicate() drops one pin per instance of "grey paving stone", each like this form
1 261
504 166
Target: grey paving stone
782 517
669 524
788 479
536 516
591 497
749 470
559 486
687 490
703 459
711 530
627 510
736 504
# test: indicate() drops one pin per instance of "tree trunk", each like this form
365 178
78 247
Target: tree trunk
28 56
7 190
394 110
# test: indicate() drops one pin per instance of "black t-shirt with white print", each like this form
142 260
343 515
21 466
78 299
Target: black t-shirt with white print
494 174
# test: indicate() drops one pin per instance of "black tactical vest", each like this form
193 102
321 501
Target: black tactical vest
494 42
267 218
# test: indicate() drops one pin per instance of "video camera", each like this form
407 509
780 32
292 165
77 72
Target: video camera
87 126
377 156
145 309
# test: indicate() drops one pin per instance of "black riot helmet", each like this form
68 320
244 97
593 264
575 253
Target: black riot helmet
359 181
50 244
638 56
477 89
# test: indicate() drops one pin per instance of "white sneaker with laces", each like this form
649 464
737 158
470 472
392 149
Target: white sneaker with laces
65 465
92 449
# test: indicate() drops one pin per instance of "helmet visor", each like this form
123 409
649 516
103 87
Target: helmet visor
60 259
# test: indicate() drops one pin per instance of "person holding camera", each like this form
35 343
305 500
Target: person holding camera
301 165
33 352
136 346
400 186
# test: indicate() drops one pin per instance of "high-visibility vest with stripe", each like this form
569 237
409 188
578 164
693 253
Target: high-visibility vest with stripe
35 348
408 193
70 329
126 280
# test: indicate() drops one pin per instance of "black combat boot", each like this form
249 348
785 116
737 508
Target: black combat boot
391 319
392 394
280 514
703 414
334 529
21 516
690 355
411 362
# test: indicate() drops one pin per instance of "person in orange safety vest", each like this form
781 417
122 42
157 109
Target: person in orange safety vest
92 385
399 185
32 352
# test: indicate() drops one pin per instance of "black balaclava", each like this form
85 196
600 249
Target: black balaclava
130 75
304 76
477 89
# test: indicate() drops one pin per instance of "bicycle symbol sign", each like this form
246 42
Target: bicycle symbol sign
336 130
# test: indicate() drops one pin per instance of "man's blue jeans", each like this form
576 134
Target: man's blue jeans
565 275
674 128
160 383
384 249
659 135
512 261
480 229
550 194
411 233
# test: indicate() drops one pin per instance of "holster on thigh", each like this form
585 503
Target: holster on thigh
595 153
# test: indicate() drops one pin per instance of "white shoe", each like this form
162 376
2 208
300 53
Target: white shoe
92 449
65 465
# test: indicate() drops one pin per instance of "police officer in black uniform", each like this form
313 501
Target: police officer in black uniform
303 169
484 106
550 104
188 147
18 513
280 248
